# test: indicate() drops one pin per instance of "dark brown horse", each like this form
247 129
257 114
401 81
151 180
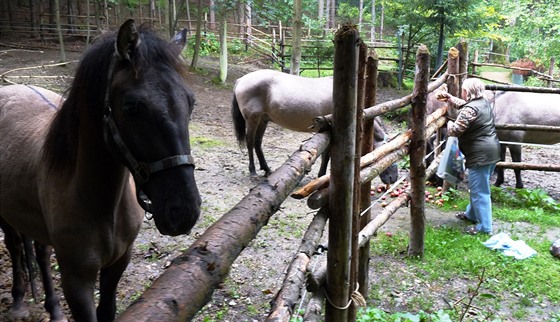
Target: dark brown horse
290 101
65 173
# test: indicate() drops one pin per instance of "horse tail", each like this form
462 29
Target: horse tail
29 257
238 121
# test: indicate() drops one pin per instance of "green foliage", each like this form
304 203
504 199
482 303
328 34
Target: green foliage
530 28
534 199
537 198
377 315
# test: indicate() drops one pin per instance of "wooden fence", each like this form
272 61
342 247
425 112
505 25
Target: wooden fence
207 262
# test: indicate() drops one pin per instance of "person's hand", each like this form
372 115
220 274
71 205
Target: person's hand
449 124
443 96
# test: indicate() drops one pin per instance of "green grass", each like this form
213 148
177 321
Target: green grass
450 254
205 142
482 69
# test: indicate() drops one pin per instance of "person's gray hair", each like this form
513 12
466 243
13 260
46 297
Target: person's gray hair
474 88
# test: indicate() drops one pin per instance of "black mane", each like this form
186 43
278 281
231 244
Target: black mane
86 95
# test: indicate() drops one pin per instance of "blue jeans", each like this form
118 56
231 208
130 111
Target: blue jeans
479 209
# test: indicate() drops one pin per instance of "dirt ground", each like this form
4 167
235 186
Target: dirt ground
223 179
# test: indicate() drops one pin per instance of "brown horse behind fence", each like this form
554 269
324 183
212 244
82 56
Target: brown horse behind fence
65 173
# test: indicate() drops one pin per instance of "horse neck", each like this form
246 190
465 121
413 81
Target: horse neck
95 166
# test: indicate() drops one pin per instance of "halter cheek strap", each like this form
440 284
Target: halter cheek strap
141 171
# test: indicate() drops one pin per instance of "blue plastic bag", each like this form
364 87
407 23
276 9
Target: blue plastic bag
452 165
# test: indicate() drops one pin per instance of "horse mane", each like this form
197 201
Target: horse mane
87 92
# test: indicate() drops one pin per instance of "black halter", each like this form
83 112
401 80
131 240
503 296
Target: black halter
141 171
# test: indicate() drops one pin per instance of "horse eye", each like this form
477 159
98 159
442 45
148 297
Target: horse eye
132 108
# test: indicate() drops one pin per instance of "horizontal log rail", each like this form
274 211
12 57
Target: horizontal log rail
187 285
324 122
528 166
527 127
374 156
517 88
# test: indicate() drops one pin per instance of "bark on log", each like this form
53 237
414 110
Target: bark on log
356 199
286 299
319 198
343 149
527 127
315 307
528 166
515 88
187 285
375 155
365 188
417 169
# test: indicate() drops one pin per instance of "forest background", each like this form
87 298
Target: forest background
502 31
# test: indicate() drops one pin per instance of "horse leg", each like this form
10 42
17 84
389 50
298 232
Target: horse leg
108 281
515 151
250 140
500 171
78 284
14 244
52 303
261 128
324 162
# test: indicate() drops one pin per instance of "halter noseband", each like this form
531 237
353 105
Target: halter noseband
141 171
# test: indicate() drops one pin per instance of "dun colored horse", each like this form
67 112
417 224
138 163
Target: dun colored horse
290 101
65 173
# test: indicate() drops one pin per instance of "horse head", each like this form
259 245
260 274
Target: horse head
146 118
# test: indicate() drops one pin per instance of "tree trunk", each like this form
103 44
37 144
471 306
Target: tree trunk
360 14
417 153
381 23
248 23
296 38
196 53
223 48
212 15
153 12
441 38
372 29
172 14
70 19
343 149
59 30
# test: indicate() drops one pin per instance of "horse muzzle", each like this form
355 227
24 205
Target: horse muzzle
177 213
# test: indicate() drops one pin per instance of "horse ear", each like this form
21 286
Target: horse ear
127 39
179 41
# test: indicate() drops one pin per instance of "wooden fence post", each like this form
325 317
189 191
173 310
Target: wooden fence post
343 149
367 146
417 153
356 224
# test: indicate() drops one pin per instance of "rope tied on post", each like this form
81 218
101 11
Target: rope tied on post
356 297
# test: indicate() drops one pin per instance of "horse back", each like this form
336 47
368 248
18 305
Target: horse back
25 113
527 108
